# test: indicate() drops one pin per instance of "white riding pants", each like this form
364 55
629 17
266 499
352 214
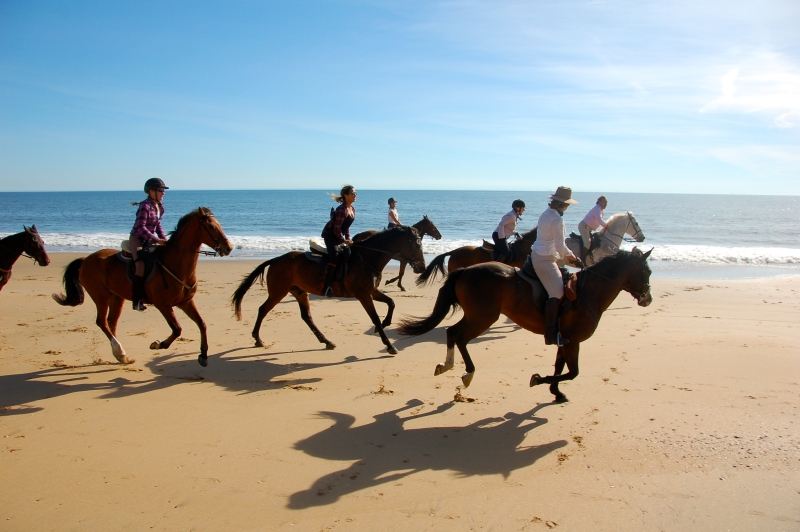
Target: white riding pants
548 272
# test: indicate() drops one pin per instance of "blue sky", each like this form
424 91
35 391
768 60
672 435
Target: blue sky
628 96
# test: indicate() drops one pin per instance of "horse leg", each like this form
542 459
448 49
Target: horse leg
400 277
393 279
172 321
190 309
102 304
115 304
369 306
462 333
305 312
263 310
377 295
567 354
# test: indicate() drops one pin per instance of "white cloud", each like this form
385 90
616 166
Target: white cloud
764 84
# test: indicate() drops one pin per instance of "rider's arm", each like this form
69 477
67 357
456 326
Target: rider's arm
143 214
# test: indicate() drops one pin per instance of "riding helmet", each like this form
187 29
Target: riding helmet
518 203
392 200
153 183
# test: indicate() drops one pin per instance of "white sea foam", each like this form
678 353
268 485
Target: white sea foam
255 246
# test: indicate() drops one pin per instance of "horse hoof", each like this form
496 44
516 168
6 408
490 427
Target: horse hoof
155 345
391 350
124 360
466 378
330 346
259 343
536 379
561 398
203 360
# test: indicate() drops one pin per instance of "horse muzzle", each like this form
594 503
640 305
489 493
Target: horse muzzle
224 249
418 266
645 299
42 260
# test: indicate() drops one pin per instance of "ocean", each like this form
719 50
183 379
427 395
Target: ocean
692 236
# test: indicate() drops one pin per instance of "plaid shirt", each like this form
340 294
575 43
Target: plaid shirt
148 221
335 224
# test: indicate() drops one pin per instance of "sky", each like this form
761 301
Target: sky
612 96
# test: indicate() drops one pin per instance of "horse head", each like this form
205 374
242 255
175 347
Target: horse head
34 246
640 279
213 236
633 228
411 251
429 228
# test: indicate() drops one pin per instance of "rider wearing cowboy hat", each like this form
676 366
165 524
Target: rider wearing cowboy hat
550 246
147 230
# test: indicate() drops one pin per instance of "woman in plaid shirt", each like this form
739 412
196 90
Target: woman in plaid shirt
147 230
337 232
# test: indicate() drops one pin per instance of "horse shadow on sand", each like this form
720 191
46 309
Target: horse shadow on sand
384 451
239 373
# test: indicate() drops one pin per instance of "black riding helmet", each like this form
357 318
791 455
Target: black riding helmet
518 203
154 183
392 200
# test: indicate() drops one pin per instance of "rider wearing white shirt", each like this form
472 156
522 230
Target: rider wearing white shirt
506 228
394 218
550 247
590 222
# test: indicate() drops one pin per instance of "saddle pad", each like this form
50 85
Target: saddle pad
488 246
317 245
149 267
313 256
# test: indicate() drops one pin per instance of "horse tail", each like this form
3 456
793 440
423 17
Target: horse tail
446 303
434 268
244 286
72 286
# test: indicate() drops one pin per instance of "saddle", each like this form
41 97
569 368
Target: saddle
489 247
319 252
147 254
528 274
595 244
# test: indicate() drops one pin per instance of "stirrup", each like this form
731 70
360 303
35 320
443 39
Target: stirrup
139 306
328 292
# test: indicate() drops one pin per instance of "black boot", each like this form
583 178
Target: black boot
138 293
330 272
551 334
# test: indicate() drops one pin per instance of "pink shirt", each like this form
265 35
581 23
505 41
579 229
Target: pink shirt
594 218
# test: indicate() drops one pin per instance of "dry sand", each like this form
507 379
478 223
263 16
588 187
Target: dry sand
684 417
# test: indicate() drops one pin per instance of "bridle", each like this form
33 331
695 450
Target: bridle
625 232
24 253
407 259
640 295
217 243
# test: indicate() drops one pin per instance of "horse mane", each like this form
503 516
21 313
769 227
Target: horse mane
615 217
185 219
383 235
612 263
528 237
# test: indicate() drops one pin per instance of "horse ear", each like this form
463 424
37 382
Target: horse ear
647 254
636 251
33 228
27 229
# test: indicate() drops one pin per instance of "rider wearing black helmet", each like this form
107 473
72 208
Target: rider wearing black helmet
394 218
506 228
147 230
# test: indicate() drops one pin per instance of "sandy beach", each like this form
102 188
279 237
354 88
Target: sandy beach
684 417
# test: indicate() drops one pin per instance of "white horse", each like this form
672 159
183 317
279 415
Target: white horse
619 225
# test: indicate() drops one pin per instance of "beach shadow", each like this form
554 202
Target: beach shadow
384 451
439 335
239 374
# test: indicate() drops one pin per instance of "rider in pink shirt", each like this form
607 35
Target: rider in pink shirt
590 222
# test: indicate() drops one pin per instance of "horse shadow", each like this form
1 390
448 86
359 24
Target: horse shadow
498 331
384 451
241 374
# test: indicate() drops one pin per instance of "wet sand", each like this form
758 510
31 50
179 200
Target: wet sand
684 417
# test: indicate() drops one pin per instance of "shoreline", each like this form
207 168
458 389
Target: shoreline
672 424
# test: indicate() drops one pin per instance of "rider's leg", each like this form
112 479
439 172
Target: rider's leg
586 237
138 276
550 276
330 269
501 250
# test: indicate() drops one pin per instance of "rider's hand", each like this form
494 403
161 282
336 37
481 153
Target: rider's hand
578 263
161 241
348 242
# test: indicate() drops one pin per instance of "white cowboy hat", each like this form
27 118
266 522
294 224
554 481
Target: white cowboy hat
564 195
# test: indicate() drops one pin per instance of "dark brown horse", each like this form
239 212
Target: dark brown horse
470 255
295 273
487 290
173 285
13 246
423 227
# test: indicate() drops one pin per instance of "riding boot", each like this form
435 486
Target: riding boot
330 272
551 334
138 293
584 254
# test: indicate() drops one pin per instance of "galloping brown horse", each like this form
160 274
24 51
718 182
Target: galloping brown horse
12 246
174 284
487 290
470 255
423 227
295 273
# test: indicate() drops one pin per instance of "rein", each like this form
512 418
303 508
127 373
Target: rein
186 286
624 232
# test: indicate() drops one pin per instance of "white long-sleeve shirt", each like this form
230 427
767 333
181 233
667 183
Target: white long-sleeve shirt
594 218
508 225
551 236
393 217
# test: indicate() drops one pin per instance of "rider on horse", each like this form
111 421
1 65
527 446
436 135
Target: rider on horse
337 232
590 222
506 228
147 231
394 218
550 246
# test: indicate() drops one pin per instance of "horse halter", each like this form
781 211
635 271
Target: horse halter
644 293
217 243
625 231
